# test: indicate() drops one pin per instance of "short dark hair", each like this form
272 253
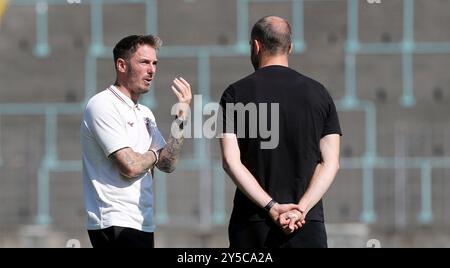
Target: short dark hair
128 45
275 37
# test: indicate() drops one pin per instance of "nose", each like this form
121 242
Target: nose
151 69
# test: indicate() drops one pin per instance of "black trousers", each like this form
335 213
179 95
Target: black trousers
266 234
121 237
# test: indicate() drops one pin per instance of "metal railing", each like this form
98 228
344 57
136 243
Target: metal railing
210 168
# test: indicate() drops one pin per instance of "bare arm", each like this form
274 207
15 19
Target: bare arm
240 175
243 179
324 174
132 164
170 154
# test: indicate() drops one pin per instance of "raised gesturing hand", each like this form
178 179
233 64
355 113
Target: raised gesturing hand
182 90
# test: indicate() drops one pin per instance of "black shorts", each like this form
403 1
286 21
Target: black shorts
265 234
121 237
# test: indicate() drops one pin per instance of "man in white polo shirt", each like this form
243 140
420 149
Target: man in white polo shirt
121 145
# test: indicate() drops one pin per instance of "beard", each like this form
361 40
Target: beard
254 58
136 83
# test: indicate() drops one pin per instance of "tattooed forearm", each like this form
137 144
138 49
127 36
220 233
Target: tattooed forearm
128 159
132 164
170 154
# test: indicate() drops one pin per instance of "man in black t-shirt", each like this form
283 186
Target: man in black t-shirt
282 151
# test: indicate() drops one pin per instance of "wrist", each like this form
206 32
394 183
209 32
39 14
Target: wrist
302 208
183 111
270 205
181 121
156 156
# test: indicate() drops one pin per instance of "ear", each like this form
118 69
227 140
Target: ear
121 65
256 46
291 46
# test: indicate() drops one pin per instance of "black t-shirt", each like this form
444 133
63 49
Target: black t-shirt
306 113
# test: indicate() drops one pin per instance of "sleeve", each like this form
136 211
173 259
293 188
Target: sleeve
106 126
227 113
332 125
158 141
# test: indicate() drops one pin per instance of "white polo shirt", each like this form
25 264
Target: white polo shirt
111 121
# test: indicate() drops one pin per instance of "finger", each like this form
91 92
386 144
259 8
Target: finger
283 220
180 86
176 93
185 82
292 224
188 87
177 86
287 230
286 220
296 219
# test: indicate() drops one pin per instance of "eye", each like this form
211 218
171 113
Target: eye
145 62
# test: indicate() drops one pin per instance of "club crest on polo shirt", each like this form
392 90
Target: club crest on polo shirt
130 124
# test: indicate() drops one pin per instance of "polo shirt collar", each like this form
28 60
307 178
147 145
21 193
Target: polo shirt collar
122 97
